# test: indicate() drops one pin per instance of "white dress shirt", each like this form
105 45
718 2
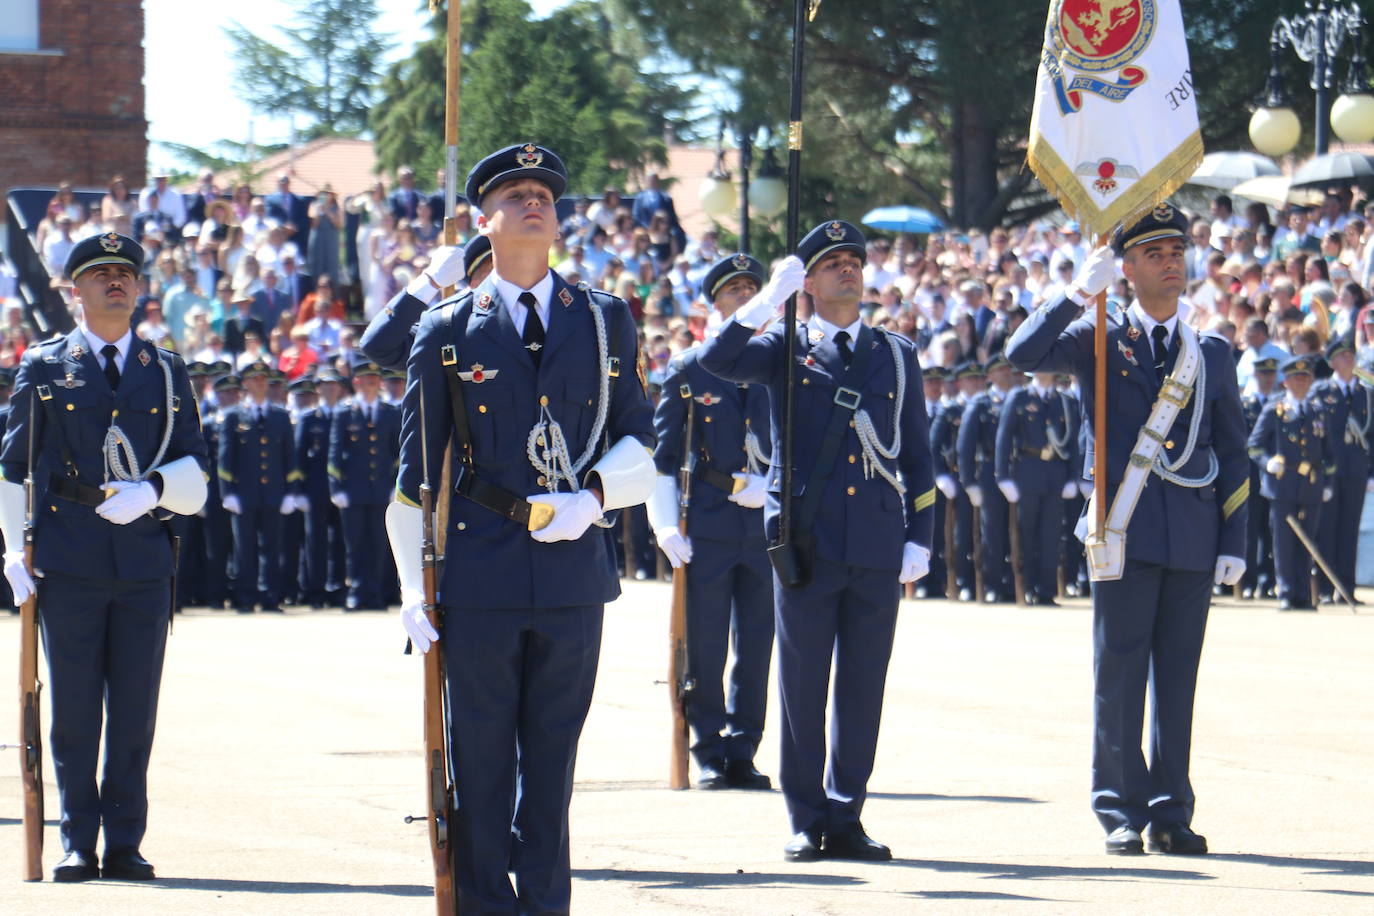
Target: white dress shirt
510 297
94 344
818 323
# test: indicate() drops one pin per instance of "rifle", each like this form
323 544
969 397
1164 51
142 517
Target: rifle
679 679
976 520
1017 576
951 583
30 690
437 788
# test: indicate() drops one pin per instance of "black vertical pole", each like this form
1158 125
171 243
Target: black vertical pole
746 162
1321 81
794 147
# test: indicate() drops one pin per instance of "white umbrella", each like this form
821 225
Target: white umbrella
1275 191
1228 169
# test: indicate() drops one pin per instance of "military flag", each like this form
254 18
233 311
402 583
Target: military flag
1114 130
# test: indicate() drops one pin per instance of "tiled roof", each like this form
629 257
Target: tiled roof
347 165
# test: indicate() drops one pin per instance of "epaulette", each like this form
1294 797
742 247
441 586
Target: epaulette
50 341
455 299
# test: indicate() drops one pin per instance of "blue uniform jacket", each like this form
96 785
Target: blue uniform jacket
944 438
493 562
69 537
861 522
1173 526
391 332
977 440
724 411
364 456
257 461
1024 454
1350 460
1303 441
312 454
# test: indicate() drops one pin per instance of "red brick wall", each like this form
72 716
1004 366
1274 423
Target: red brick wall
78 115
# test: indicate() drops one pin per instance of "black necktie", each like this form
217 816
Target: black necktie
111 353
534 328
1161 338
846 351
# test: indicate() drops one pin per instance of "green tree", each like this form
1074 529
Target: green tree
557 81
326 69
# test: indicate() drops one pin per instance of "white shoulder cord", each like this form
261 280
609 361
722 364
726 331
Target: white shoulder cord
1057 442
755 460
868 435
1169 472
117 441
547 447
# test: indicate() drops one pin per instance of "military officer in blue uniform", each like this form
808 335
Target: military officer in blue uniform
364 455
977 445
1035 445
388 337
534 382
258 483
729 581
1175 522
944 448
933 380
322 561
1290 442
1073 562
1349 409
219 534
101 545
862 447
1258 581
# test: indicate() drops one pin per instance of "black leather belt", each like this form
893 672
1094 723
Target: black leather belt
75 491
501 501
718 479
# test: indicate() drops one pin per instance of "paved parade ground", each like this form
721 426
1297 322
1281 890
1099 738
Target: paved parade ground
288 754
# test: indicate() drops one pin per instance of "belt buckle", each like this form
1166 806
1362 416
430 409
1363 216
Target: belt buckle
1046 453
541 514
1304 468
1175 391
848 398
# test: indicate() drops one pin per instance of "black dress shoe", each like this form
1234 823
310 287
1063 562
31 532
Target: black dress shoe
712 775
1125 841
1327 599
77 865
741 774
965 594
1177 840
850 842
127 865
803 847
1247 594
1047 602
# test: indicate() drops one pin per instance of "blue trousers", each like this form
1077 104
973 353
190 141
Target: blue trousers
104 640
993 517
729 600
1147 628
365 543
1040 520
1339 532
1292 563
843 621
322 571
257 555
519 687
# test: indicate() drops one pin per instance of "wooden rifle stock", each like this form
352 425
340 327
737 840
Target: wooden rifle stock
679 682
1018 577
951 583
30 693
437 791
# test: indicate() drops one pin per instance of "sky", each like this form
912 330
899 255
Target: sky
188 75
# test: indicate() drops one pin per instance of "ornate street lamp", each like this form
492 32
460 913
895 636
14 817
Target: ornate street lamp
717 192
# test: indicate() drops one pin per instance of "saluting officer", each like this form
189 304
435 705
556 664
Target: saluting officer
101 545
258 480
323 563
933 380
863 459
1175 519
1035 445
388 337
977 446
364 455
1290 443
944 449
1258 581
534 381
729 582
1349 409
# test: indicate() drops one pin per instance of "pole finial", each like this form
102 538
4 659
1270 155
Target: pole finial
815 8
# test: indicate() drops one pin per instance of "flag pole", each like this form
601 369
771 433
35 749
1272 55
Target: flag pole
1100 411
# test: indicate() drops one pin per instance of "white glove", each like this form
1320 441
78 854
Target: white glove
1070 490
975 496
302 502
1229 570
231 504
417 626
755 489
947 486
131 499
573 513
444 270
340 500
1085 487
288 504
1275 465
788 277
1096 274
1327 493
675 546
17 574
915 563
1010 490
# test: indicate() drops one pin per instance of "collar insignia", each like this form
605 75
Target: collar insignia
484 301
741 261
478 374
110 242
816 335
529 156
1133 332
78 351
835 231
143 357
565 297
